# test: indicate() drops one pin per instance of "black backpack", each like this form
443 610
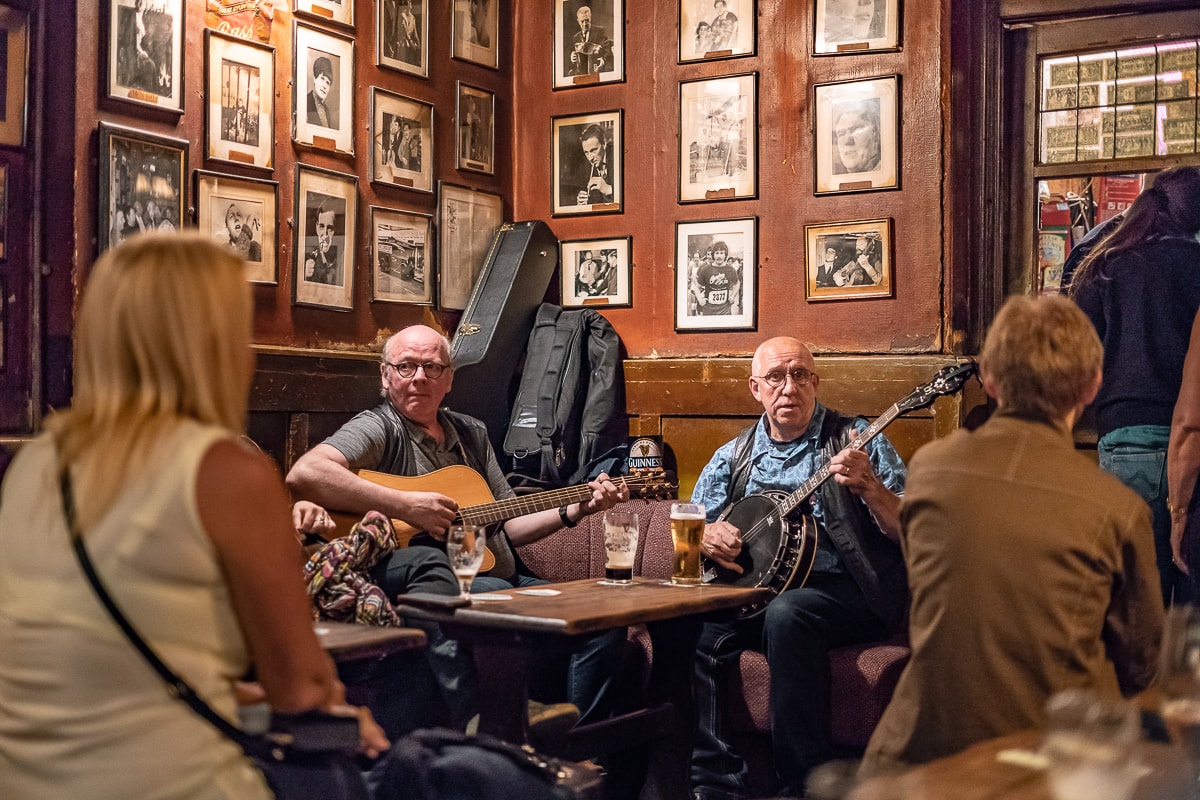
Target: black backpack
568 417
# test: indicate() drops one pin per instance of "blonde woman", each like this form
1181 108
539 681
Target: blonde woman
189 530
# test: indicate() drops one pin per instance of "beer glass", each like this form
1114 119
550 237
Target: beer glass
687 530
1090 746
620 546
465 546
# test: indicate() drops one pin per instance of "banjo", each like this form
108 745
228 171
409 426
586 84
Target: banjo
778 547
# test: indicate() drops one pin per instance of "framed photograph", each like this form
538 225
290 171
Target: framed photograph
323 89
475 32
848 260
856 26
857 135
596 272
401 257
145 52
716 275
3 212
143 180
14 54
586 169
468 220
476 115
326 222
718 138
240 87
713 29
339 11
589 42
242 213
402 36
401 141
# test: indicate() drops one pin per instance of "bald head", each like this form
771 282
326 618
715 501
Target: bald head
789 404
418 396
420 336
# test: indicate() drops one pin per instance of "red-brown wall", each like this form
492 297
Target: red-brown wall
911 322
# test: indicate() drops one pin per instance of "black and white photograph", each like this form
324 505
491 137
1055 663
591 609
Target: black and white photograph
589 42
857 135
401 141
402 36
14 55
467 223
476 129
716 274
240 87
339 11
718 145
586 174
323 90
142 183
596 272
856 26
326 221
145 52
401 246
241 213
848 260
475 31
714 29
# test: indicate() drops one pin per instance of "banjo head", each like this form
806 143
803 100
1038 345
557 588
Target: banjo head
763 531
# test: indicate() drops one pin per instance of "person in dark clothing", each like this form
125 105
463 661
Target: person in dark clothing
1085 245
1141 289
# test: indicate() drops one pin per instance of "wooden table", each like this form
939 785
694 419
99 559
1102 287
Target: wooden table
977 774
348 642
506 635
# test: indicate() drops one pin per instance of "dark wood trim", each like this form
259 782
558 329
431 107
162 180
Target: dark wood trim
1024 11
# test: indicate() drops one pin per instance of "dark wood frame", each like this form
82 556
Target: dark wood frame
312 293
564 30
818 237
725 186
175 150
461 160
400 65
747 319
204 183
887 40
320 10
377 295
261 156
484 55
688 31
450 251
621 295
343 139
613 121
127 93
830 100
416 180
15 111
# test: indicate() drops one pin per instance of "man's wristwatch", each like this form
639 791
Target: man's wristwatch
566 520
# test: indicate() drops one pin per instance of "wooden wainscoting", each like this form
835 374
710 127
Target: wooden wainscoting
698 404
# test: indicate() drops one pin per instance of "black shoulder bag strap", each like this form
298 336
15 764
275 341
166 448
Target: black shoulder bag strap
177 687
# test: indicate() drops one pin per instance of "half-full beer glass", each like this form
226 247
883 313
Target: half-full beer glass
620 546
687 530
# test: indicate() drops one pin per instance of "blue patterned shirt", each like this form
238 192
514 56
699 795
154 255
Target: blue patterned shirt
783 466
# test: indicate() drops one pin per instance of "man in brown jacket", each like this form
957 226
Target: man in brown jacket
1031 570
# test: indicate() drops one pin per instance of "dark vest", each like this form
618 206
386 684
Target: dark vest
872 559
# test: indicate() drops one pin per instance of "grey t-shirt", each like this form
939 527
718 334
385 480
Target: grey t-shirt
363 441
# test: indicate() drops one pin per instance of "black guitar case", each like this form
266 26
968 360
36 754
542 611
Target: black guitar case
488 346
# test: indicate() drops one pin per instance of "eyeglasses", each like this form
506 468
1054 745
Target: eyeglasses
776 378
407 369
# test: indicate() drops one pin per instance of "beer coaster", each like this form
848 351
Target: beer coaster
480 597
540 592
1023 758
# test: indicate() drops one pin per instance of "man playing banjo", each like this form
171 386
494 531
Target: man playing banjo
857 588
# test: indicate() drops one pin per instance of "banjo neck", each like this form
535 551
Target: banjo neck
805 490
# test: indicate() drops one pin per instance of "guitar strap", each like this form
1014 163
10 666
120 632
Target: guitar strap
739 465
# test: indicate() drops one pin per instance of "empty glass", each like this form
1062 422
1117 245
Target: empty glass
1090 745
465 546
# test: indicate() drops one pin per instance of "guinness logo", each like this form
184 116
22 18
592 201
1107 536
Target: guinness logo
645 454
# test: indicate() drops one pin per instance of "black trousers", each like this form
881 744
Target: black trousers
795 633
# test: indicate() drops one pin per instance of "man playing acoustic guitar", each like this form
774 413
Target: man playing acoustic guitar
410 434
855 592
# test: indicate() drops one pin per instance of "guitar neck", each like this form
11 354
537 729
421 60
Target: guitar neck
502 510
823 474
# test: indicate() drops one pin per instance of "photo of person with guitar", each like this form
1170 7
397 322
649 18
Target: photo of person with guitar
856 590
409 434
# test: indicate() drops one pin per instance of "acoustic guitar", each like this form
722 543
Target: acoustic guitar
778 545
476 506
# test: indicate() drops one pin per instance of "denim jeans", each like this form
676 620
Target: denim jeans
1137 456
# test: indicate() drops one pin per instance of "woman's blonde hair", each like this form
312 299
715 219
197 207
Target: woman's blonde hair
163 335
